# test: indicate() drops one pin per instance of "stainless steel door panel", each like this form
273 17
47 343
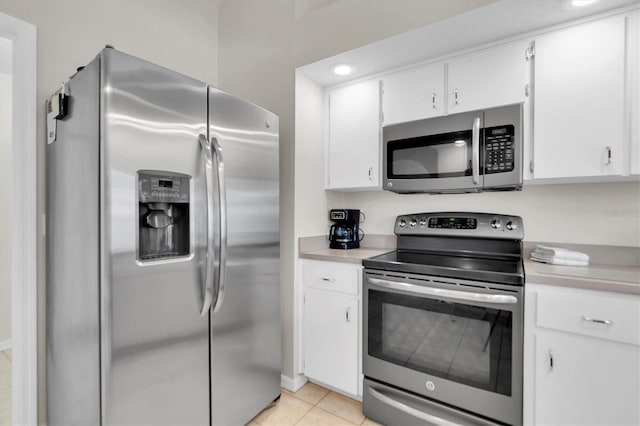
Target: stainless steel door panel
391 406
490 404
431 126
73 287
154 341
245 331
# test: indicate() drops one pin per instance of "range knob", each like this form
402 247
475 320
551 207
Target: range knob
402 223
423 221
511 226
412 223
496 224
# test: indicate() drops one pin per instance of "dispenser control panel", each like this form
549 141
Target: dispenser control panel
163 215
163 188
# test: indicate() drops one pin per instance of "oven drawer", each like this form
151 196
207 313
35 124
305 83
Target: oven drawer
332 276
608 316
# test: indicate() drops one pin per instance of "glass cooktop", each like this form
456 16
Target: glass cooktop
497 270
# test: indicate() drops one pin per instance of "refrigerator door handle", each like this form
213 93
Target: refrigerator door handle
208 276
222 202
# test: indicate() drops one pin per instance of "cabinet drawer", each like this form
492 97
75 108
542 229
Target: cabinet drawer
332 276
605 315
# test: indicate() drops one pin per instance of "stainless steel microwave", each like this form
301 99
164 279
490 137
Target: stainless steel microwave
467 152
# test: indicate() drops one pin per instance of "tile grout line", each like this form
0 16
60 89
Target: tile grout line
303 416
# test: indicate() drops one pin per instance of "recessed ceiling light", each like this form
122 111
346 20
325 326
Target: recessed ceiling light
343 69
573 4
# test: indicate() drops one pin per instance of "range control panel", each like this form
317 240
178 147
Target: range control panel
454 222
460 224
498 149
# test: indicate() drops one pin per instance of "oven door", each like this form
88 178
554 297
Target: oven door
434 155
455 341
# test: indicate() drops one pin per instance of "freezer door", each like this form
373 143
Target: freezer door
154 341
245 319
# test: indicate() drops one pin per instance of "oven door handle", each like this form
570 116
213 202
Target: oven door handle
501 299
429 418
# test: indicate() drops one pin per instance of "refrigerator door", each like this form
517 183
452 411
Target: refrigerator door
245 319
154 340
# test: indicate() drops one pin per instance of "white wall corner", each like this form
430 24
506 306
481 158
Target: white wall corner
5 345
293 384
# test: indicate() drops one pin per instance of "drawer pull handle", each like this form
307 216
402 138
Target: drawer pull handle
330 280
550 360
597 321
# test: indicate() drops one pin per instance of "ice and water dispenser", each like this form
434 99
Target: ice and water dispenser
163 215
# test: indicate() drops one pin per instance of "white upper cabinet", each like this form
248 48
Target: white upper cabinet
354 137
488 78
579 101
413 94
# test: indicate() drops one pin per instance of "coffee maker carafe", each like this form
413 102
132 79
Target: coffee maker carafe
344 233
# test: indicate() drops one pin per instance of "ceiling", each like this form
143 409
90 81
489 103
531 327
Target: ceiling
495 21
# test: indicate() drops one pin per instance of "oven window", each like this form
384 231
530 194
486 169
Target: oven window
436 156
459 342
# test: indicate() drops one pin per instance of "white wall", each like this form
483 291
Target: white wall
181 35
260 44
6 179
603 213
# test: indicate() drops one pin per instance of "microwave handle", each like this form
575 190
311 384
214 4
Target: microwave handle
475 150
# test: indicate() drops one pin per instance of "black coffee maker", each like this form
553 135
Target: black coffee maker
344 233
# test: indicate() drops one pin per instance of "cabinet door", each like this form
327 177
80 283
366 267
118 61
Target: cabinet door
413 94
579 100
585 381
354 136
633 67
488 78
331 339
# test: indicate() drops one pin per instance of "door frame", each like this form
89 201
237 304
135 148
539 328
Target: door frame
24 263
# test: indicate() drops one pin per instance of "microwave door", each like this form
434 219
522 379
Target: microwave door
438 155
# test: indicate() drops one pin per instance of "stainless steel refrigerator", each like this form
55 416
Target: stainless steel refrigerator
163 282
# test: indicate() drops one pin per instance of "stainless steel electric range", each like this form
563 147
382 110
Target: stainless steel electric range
443 322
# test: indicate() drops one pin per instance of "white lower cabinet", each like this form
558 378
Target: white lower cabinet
331 325
582 357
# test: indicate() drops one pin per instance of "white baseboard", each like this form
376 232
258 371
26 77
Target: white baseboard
5 345
293 384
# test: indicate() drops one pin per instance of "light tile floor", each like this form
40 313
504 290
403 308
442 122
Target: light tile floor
5 387
313 405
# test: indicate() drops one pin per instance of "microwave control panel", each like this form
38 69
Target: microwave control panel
498 149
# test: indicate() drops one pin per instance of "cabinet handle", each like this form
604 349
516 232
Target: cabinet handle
455 96
608 155
347 315
370 173
433 100
597 321
550 360
328 279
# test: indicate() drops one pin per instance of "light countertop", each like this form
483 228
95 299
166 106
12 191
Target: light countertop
611 268
317 248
